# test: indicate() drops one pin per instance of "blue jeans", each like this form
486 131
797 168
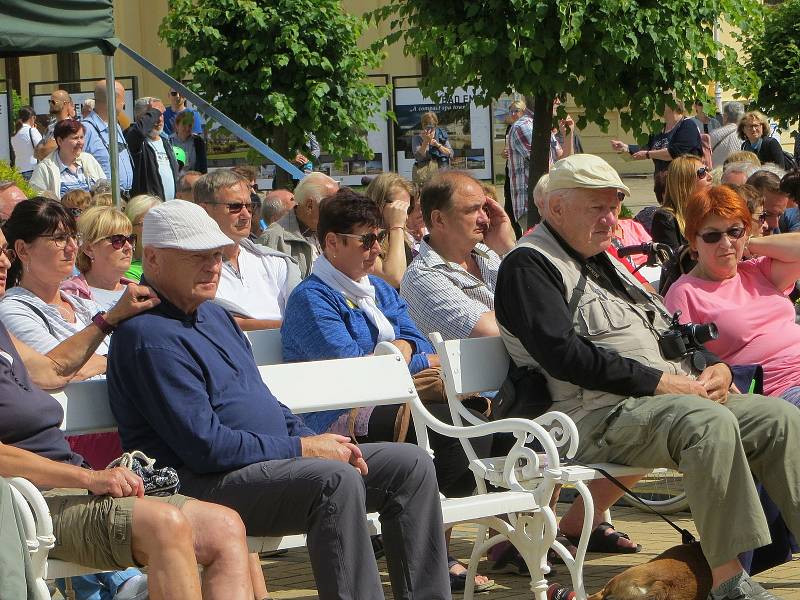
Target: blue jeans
98 586
792 395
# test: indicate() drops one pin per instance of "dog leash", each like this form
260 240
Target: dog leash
686 536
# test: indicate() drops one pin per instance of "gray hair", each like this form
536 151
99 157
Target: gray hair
540 193
183 184
205 189
142 104
89 102
771 168
313 186
747 168
733 111
138 205
272 209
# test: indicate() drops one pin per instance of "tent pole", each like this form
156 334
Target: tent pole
113 148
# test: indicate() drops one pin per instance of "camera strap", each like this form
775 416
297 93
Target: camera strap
686 535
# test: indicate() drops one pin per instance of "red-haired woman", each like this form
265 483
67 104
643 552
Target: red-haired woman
746 299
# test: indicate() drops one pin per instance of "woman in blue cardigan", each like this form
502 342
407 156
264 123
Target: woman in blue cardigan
340 311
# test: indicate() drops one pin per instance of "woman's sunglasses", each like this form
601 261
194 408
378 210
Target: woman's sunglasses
702 172
118 240
713 237
368 239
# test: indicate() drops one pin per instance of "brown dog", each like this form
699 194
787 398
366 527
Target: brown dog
680 573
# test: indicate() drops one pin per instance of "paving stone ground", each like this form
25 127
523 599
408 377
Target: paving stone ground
289 577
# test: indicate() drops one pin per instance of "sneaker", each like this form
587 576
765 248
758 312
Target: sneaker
744 589
133 589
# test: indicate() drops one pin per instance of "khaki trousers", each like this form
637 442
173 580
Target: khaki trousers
716 447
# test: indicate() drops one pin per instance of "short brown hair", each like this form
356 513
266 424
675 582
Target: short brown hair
765 181
77 199
719 200
437 193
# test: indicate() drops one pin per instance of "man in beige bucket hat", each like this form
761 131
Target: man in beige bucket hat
596 336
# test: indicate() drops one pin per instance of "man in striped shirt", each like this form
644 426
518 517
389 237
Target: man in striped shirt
449 286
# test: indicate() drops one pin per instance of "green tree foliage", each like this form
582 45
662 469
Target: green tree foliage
608 55
280 68
774 59
9 173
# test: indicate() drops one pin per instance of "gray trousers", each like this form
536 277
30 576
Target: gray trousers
16 578
716 447
328 499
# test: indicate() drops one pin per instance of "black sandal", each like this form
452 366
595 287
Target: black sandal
604 543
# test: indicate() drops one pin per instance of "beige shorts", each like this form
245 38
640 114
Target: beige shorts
96 531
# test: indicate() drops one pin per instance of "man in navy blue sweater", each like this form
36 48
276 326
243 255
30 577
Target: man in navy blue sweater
185 389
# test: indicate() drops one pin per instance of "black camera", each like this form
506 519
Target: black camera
684 340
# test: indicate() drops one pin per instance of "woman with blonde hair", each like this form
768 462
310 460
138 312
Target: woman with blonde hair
754 129
394 196
103 257
686 176
135 210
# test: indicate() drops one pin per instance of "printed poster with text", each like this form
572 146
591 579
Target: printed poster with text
468 126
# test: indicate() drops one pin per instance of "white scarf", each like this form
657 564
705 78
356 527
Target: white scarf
362 292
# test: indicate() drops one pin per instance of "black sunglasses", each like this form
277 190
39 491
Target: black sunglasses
75 212
173 93
368 239
702 172
235 208
713 237
761 217
118 240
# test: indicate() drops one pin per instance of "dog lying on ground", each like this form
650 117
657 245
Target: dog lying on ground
680 573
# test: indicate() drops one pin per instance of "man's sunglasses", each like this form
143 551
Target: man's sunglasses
118 240
702 172
235 208
75 212
368 239
713 237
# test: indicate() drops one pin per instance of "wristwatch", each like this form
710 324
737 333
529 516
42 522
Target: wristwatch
102 324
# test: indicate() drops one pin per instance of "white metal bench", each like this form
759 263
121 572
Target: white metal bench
478 365
382 379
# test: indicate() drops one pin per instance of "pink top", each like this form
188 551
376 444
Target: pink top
633 233
755 321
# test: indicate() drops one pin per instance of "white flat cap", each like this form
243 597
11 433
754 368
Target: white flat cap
182 225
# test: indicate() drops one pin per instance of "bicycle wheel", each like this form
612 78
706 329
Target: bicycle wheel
662 489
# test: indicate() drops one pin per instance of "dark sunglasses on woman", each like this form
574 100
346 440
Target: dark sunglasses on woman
368 239
702 172
118 240
713 237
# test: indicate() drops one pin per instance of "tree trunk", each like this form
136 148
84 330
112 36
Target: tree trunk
540 147
280 143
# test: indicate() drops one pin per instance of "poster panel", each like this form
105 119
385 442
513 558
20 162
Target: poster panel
39 102
5 139
468 127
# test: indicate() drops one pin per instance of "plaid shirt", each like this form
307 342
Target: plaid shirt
442 296
518 143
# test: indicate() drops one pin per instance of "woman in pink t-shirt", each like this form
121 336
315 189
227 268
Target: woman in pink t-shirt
746 299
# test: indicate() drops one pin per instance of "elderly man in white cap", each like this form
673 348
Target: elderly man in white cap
185 389
598 338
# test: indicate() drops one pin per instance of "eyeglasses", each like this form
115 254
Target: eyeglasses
753 125
118 240
173 93
75 212
62 239
235 208
761 217
702 172
368 239
8 251
713 237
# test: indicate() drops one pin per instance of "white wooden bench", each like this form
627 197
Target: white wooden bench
478 365
382 379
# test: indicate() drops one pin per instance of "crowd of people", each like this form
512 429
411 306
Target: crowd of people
155 298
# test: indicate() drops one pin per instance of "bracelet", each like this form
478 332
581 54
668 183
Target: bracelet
102 324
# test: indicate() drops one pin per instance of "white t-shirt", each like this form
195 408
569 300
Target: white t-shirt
106 298
258 290
23 142
164 168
